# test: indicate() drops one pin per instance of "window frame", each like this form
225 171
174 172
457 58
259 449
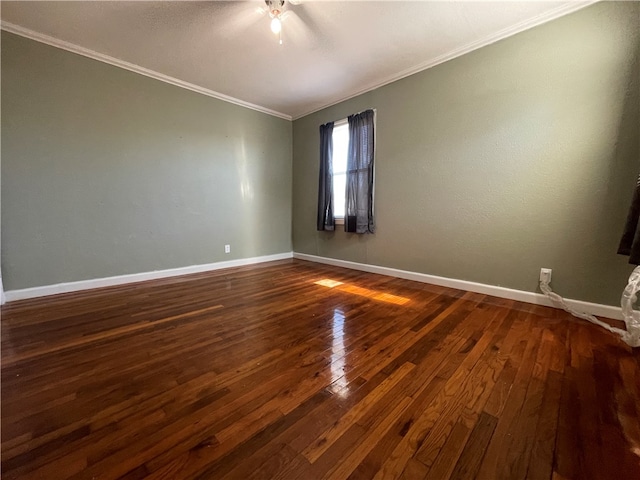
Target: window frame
344 122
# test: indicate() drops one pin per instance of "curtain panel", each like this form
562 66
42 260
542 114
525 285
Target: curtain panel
359 196
630 242
326 220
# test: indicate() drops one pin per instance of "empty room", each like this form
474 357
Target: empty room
298 239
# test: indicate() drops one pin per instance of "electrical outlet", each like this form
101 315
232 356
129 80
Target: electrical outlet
227 249
545 275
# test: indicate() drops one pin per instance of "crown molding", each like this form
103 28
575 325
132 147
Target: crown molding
545 17
553 14
132 67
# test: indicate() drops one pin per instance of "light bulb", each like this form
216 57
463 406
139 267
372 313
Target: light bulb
276 25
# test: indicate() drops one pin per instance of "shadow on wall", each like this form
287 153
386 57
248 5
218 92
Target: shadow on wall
612 185
627 153
625 164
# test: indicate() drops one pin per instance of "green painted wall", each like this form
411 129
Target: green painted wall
517 156
107 172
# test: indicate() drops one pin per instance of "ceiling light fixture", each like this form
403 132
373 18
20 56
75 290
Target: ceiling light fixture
276 8
276 25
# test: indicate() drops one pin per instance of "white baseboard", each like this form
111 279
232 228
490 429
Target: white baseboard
46 290
600 310
597 309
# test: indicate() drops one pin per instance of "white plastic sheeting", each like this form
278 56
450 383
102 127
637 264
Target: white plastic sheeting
631 336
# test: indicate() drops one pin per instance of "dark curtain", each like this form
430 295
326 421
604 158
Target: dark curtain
359 200
630 243
326 220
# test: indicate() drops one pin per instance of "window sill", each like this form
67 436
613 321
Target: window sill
339 221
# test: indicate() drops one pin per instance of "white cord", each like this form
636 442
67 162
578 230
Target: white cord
631 336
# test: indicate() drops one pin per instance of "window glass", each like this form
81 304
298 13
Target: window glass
340 149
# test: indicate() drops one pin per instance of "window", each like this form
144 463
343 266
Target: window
340 151
346 174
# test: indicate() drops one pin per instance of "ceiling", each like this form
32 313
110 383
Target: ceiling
332 50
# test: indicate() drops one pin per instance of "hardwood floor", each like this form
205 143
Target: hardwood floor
294 370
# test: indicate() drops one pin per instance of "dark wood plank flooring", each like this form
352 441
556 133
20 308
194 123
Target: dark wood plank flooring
294 370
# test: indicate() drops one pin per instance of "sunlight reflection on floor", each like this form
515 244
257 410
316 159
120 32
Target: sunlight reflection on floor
364 292
338 378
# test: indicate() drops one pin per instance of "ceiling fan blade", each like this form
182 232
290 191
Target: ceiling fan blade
297 30
240 16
